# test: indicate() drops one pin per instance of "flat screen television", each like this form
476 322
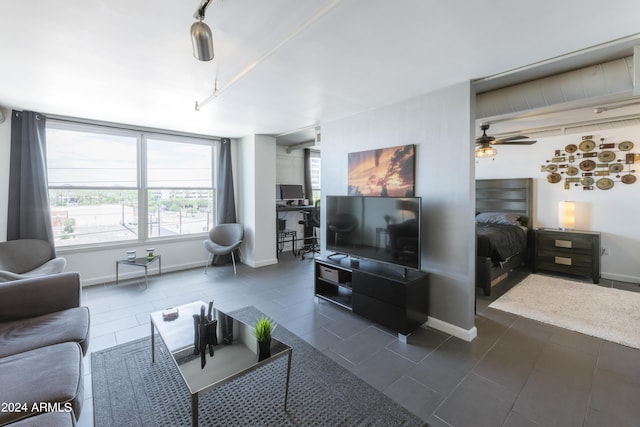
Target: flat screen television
383 229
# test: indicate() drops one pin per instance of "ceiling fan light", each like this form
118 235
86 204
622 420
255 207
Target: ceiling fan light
484 152
202 41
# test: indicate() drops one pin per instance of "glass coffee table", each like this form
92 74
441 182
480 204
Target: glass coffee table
230 361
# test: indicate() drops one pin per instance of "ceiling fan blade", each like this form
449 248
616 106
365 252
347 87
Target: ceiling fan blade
524 142
511 138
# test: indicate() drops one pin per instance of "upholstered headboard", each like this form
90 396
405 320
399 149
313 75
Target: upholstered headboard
513 195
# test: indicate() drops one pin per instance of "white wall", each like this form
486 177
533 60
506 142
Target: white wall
441 127
256 205
289 166
612 212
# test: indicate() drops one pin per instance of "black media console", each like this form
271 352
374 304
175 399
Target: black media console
390 296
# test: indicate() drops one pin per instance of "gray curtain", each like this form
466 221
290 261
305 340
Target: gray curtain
28 215
226 203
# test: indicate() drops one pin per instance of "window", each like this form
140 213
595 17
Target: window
109 185
314 167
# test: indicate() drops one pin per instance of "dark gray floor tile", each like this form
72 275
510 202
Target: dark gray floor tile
511 360
577 341
476 402
549 399
419 344
599 419
516 420
348 326
306 324
383 369
321 339
570 366
363 345
616 383
443 369
417 398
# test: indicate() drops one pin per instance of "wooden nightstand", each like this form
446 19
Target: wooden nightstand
569 252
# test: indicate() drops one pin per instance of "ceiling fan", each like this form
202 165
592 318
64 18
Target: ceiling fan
484 143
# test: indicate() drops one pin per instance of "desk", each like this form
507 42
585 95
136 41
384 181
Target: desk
283 234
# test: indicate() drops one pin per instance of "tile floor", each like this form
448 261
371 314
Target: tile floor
517 372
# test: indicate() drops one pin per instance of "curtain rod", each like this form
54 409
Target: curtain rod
136 128
323 11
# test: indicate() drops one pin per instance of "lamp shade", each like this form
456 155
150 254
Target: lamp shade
566 215
486 152
202 41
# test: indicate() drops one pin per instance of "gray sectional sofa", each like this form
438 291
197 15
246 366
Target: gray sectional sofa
44 335
26 258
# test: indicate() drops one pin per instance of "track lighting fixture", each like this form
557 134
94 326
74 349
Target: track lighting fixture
201 36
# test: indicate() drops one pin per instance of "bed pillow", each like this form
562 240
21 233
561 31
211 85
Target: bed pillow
498 218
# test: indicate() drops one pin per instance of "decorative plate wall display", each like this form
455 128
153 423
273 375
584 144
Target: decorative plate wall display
625 146
592 166
572 171
587 165
616 167
554 177
587 145
604 183
571 148
587 181
607 156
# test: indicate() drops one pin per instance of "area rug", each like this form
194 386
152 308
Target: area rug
610 314
129 390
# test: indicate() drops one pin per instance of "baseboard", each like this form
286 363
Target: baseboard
138 273
456 331
621 277
262 263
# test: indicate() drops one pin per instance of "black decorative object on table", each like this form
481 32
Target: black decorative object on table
226 325
205 333
264 350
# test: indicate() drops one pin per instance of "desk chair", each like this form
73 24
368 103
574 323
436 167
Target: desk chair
312 220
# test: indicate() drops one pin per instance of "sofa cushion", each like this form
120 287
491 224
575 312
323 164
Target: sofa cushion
71 325
48 375
23 255
47 419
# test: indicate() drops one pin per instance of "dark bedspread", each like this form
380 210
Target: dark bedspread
500 242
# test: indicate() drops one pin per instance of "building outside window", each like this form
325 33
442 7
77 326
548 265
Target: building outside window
112 185
314 167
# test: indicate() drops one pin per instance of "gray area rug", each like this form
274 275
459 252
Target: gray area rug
129 391
610 314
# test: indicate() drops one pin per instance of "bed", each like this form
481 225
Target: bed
503 228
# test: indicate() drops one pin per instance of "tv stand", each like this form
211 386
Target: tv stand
392 297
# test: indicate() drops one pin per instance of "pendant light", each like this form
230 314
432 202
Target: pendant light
201 36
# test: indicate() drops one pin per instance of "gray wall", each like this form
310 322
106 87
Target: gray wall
441 126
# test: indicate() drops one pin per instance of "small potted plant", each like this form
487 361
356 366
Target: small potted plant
263 329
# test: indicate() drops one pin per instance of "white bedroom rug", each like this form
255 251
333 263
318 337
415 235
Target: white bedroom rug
610 314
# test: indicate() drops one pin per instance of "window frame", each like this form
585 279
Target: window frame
142 135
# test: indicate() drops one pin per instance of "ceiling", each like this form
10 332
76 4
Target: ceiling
281 67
